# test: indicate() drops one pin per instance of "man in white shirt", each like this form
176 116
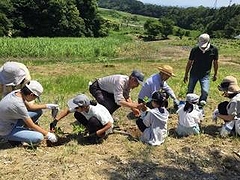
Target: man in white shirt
114 91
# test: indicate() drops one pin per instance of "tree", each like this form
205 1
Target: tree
180 33
47 18
93 21
167 27
54 18
153 28
5 21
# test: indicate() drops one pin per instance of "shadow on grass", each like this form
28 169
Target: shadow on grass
211 130
178 167
63 139
5 145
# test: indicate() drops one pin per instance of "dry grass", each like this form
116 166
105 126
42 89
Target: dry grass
120 156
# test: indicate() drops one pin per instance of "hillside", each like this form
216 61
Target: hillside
220 22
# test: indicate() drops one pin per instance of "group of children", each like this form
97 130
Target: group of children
19 114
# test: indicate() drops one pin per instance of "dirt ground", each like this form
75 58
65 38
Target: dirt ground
122 156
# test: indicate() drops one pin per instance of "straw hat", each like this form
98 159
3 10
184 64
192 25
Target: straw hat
166 69
229 84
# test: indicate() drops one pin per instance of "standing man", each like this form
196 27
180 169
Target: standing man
158 82
114 91
199 64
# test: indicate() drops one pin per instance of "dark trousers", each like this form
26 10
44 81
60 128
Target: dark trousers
222 107
103 97
141 125
92 125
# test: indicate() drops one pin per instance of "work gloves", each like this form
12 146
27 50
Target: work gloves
51 137
52 106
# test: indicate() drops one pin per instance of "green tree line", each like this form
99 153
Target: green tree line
51 18
219 23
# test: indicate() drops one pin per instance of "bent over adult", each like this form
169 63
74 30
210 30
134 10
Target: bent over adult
114 91
158 82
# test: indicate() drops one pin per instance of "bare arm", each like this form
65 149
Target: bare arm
62 114
101 132
35 127
187 69
215 68
129 103
226 117
33 106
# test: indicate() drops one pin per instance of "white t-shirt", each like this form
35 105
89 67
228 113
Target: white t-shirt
98 111
189 119
12 108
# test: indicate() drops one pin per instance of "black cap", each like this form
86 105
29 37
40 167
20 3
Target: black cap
138 75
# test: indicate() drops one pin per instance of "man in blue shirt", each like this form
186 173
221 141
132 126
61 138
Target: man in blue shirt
157 82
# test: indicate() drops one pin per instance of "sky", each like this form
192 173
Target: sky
192 3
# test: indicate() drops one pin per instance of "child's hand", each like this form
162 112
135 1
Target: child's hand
215 115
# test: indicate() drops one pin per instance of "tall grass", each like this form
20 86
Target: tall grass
82 48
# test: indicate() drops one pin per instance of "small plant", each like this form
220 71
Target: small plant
145 99
58 131
78 128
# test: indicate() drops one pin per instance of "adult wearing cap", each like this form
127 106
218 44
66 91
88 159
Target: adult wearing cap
13 75
154 123
16 125
229 112
114 91
189 116
158 82
199 64
95 117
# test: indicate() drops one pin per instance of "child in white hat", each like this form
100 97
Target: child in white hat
189 116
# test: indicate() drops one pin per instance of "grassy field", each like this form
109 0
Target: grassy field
65 66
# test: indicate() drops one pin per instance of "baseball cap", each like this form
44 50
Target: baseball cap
192 98
11 74
229 84
203 40
79 100
35 87
138 75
